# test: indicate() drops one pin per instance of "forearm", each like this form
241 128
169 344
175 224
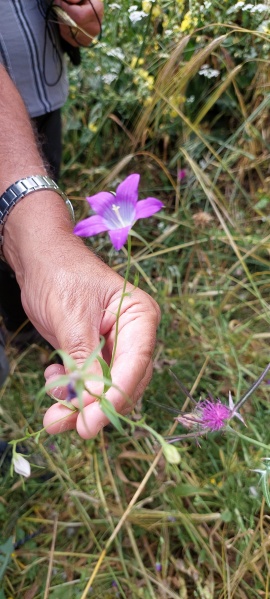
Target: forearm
19 156
41 217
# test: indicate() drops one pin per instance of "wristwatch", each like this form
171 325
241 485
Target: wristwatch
17 191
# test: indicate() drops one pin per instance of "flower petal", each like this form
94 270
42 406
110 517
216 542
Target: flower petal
127 191
146 208
118 237
98 201
90 226
21 465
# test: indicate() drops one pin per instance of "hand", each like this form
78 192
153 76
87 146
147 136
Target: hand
72 298
72 304
87 15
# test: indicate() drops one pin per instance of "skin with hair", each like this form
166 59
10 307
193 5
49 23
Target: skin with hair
69 295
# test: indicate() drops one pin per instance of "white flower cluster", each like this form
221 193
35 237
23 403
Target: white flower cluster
208 72
253 8
136 15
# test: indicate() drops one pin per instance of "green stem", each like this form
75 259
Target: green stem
121 301
249 440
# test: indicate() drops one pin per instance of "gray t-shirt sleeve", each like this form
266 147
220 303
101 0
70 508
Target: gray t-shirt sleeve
31 52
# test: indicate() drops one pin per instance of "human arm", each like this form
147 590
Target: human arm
87 15
69 295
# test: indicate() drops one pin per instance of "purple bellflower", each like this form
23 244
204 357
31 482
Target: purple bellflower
117 213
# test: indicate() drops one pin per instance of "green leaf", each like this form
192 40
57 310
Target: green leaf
61 381
79 387
265 488
5 552
134 234
68 361
37 436
67 403
136 279
226 515
106 373
93 356
262 203
109 410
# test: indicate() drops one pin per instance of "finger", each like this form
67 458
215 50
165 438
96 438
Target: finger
132 368
93 418
86 14
59 419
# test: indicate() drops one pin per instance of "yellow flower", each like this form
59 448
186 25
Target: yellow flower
143 73
189 22
165 21
92 127
146 6
136 62
147 101
156 11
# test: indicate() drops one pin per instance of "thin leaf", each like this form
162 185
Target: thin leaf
137 236
5 553
265 488
68 361
106 373
67 403
93 356
109 410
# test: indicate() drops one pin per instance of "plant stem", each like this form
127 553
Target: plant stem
121 301
252 389
249 440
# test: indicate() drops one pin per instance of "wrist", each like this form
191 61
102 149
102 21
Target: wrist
35 225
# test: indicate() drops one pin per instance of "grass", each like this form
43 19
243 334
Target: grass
110 517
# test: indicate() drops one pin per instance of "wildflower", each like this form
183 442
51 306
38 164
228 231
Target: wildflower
156 12
146 6
92 127
71 392
136 61
158 567
202 219
21 465
181 174
117 213
136 15
208 72
189 22
108 78
210 415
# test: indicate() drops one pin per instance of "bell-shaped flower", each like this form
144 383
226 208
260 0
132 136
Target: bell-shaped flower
117 213
21 465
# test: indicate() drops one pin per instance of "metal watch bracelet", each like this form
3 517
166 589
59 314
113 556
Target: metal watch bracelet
17 191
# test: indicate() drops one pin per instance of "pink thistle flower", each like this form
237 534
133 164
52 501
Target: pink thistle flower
214 415
117 213
210 415
181 174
